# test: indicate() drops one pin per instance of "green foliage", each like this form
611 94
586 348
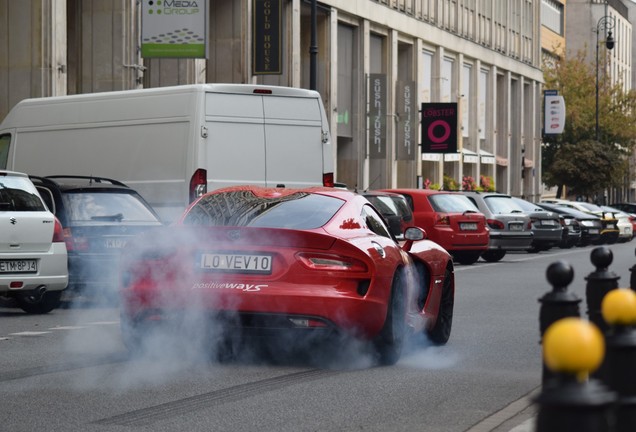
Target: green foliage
563 161
450 183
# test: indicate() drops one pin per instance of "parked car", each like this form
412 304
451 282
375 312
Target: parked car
298 263
451 220
610 231
33 260
626 207
590 224
624 223
98 216
395 210
510 227
546 225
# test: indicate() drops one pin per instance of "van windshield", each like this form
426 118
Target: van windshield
4 150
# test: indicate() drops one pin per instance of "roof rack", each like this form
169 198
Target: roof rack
91 179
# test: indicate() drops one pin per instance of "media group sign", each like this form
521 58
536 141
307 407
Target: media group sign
174 28
439 127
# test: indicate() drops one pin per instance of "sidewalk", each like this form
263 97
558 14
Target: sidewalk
519 416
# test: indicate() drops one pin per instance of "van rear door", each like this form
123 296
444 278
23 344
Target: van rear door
293 137
236 141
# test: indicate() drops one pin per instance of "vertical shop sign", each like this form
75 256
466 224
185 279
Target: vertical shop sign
377 116
406 107
439 127
266 37
174 28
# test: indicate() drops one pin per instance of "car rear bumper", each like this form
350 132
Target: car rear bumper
52 272
460 241
334 309
510 241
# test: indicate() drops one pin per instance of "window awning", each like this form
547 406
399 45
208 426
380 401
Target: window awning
470 156
501 161
432 157
486 158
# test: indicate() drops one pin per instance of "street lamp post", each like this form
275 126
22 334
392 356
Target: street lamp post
605 23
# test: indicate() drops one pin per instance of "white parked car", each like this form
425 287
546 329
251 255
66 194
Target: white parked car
624 223
33 260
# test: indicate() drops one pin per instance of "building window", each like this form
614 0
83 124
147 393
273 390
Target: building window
552 15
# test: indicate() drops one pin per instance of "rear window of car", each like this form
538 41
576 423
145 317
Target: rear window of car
451 203
502 204
85 207
243 208
390 205
19 194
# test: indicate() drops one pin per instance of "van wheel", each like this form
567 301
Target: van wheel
493 255
39 304
389 342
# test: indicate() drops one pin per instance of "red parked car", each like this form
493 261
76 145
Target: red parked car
451 220
291 264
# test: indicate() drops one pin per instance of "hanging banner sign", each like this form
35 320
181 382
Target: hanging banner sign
439 127
406 106
174 28
377 116
266 37
554 113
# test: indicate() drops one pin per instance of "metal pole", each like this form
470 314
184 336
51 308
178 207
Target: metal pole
313 48
597 30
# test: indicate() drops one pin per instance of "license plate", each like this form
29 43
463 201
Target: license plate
593 231
468 226
236 263
549 222
515 227
115 243
18 266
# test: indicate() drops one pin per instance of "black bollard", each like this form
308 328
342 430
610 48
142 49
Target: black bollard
632 277
558 303
568 405
619 311
599 283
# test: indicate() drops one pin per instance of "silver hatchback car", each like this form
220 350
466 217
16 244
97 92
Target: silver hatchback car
33 259
510 228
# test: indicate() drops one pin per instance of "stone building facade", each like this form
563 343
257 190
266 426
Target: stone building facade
484 55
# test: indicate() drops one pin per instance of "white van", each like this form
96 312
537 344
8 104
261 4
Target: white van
172 144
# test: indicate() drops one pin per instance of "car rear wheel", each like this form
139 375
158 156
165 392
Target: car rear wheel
39 303
440 333
493 255
389 342
467 258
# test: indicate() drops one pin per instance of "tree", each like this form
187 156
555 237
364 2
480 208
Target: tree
566 157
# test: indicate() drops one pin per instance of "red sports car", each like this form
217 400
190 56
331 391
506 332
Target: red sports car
294 261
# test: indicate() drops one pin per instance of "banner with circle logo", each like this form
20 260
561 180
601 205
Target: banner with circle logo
439 127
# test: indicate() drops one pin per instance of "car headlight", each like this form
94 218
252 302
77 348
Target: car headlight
587 223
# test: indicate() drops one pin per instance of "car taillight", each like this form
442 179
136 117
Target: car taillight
529 226
441 219
331 262
327 180
73 242
198 184
58 232
495 224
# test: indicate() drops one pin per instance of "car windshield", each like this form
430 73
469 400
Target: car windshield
590 207
106 207
243 208
502 204
19 194
452 203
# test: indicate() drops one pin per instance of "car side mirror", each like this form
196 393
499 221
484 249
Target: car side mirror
412 234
